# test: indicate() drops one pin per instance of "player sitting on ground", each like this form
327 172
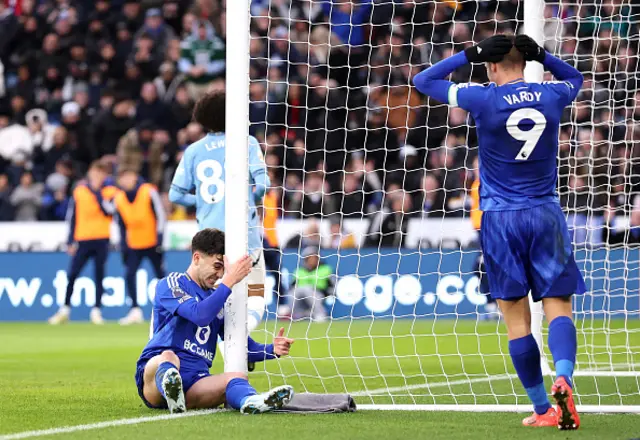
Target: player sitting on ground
173 369
524 234
202 169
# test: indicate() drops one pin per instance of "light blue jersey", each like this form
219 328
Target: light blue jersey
202 170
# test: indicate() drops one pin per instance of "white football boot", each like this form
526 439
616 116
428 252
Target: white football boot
174 395
134 316
61 316
273 399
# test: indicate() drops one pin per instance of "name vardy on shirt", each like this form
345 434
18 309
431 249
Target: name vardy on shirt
519 98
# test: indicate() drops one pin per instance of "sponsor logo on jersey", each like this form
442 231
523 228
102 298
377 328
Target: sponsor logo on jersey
182 296
194 348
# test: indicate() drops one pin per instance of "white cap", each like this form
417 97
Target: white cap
70 108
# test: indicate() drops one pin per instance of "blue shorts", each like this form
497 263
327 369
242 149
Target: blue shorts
529 249
189 377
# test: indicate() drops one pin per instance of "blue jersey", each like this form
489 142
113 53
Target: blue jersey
202 169
517 125
194 345
525 240
177 324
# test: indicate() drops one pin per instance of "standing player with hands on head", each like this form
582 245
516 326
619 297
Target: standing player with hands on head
524 234
202 169
173 369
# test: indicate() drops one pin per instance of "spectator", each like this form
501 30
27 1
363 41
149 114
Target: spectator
131 85
309 237
111 64
25 85
151 108
27 198
257 108
40 129
97 32
316 200
55 199
313 283
131 17
348 19
389 229
202 60
105 13
124 40
6 207
146 58
352 205
181 109
110 126
10 29
80 147
167 82
140 150
155 28
44 161
432 197
339 239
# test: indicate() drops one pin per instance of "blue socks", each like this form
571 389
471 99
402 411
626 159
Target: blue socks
526 360
162 368
237 392
563 344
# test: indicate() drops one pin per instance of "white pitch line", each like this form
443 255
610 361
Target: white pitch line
107 424
432 385
139 420
596 372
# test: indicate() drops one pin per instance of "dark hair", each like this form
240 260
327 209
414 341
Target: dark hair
209 241
513 59
209 111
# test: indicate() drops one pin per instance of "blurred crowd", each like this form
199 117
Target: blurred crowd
344 133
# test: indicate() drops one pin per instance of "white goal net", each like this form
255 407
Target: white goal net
378 181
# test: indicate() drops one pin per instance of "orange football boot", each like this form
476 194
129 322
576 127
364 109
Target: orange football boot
550 418
567 414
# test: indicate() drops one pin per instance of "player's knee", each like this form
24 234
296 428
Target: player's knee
170 356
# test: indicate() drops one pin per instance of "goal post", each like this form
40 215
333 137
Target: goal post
534 72
236 179
380 179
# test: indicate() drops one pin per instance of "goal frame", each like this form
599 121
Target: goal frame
236 169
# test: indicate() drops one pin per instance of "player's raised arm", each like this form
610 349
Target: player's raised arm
431 81
171 295
570 76
182 183
258 169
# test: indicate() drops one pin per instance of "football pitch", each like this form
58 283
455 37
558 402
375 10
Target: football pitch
78 374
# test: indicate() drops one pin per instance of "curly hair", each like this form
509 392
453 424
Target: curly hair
209 241
210 111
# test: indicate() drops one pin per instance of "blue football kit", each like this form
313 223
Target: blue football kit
524 235
188 320
202 169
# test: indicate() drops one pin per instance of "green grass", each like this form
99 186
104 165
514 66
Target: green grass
77 374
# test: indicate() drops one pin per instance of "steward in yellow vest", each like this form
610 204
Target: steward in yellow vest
142 220
89 215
